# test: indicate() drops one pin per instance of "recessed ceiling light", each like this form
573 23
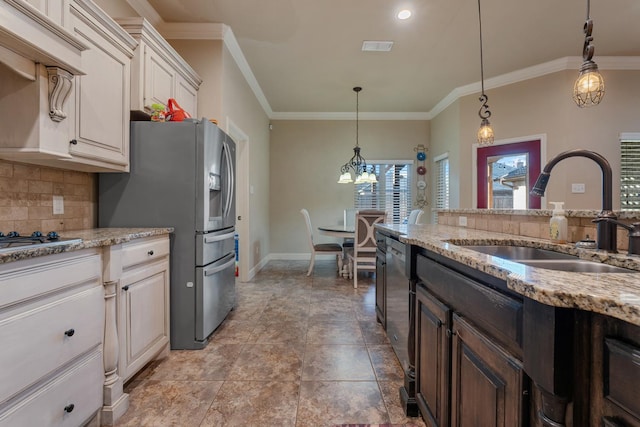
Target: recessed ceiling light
404 14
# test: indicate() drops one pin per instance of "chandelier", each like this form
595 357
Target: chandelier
589 87
485 133
357 163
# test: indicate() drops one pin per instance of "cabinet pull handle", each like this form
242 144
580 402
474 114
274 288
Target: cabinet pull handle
451 333
69 408
73 142
125 288
150 252
69 332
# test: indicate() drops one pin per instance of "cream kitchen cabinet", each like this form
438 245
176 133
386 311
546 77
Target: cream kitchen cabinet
100 139
51 328
73 120
158 72
143 303
56 10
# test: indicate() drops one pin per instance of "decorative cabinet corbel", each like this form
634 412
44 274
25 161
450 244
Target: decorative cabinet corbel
60 83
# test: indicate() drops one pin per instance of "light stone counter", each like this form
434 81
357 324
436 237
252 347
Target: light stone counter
91 238
612 294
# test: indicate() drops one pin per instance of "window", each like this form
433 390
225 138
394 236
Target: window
392 192
630 171
505 173
442 184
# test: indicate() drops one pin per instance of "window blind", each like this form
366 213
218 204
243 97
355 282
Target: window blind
630 174
441 185
392 192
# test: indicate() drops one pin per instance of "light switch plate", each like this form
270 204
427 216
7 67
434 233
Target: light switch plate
577 188
58 205
462 221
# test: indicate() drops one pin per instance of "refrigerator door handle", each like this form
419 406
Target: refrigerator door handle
214 270
218 237
230 178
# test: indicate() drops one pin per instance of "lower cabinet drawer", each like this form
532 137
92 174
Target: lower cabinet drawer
39 341
144 250
70 399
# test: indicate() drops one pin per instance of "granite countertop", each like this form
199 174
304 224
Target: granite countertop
576 213
91 238
612 294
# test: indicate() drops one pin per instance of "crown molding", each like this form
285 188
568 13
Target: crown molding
539 70
348 116
210 31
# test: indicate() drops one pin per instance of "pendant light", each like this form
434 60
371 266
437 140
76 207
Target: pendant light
485 133
357 162
589 87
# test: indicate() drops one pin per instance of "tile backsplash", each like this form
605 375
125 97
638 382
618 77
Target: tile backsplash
26 198
534 222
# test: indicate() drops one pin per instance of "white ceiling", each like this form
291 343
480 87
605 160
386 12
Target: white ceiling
306 54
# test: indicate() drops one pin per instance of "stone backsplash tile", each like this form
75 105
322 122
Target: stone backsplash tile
535 225
26 198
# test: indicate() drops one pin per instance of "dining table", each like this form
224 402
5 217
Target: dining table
338 230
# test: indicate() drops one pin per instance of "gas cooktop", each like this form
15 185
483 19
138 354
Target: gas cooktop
13 240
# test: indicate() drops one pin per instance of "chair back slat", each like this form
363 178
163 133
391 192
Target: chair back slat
307 220
365 233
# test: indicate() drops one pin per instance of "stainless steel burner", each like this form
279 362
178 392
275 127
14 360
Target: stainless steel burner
14 241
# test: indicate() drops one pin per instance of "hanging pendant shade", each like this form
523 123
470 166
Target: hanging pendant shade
357 163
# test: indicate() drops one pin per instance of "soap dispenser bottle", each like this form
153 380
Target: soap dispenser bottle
558 225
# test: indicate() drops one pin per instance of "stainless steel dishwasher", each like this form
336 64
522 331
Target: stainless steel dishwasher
398 301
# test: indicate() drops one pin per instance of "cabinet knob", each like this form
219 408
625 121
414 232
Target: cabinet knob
69 332
69 407
73 142
125 288
451 333
150 252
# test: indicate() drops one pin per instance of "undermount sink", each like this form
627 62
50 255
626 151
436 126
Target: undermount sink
575 266
519 252
544 258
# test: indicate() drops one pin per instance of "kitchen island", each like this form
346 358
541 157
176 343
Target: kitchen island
502 343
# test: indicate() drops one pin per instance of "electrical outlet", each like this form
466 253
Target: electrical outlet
58 205
577 188
462 221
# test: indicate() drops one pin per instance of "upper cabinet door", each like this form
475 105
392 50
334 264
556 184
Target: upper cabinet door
102 96
158 72
159 79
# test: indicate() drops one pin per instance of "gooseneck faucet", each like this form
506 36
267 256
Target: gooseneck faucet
605 228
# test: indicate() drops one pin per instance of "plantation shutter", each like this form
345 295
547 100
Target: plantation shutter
630 173
441 185
392 192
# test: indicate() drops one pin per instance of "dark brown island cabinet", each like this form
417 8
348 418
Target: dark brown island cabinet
487 356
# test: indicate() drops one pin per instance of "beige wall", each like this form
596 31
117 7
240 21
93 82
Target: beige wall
116 8
544 106
205 57
306 157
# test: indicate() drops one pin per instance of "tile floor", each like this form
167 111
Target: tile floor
296 351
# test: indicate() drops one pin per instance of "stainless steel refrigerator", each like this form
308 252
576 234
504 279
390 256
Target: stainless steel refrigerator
182 175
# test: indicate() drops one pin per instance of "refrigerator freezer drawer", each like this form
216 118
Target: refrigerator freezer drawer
215 294
212 246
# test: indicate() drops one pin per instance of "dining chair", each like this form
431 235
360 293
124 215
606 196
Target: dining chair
320 248
414 216
363 254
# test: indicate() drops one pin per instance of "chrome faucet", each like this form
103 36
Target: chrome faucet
605 227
